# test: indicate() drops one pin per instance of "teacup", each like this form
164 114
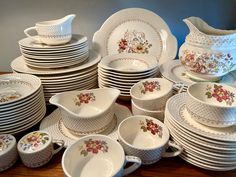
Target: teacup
151 93
36 148
97 155
8 151
146 138
212 104
54 32
158 114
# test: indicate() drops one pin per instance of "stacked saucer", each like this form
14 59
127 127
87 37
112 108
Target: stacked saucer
45 56
122 71
22 103
206 147
76 77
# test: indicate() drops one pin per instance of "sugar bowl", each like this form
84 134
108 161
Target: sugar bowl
36 148
8 151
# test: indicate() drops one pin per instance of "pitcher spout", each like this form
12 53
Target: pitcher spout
68 18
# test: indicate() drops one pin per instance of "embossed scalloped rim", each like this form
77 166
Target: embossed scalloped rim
179 119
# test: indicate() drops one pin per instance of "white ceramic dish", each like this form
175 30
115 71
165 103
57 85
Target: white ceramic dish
212 104
77 39
109 160
89 111
17 87
19 65
128 63
175 72
121 33
129 75
180 115
151 93
54 125
136 110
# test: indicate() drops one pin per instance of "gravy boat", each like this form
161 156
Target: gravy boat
88 111
53 32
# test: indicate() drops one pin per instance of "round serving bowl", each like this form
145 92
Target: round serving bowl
151 93
212 104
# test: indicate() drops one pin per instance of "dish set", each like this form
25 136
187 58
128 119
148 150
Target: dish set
124 63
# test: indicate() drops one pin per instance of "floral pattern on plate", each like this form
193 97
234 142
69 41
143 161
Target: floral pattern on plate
84 98
5 141
93 147
207 62
134 42
150 86
220 94
9 96
34 141
152 127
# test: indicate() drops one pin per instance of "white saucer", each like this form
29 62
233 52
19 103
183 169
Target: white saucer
174 71
53 124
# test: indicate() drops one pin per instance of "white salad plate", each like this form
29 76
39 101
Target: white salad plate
19 65
175 72
121 33
76 40
206 147
54 125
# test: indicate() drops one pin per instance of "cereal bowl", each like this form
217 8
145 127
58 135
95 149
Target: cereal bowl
151 93
212 104
88 111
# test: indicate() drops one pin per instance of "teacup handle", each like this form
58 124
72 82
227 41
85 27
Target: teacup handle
61 145
136 164
173 154
27 34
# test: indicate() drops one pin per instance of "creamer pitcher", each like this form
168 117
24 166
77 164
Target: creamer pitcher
54 32
208 53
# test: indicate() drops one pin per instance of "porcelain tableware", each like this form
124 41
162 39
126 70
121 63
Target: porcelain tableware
212 104
128 63
151 93
8 151
208 53
147 138
136 110
36 148
121 33
54 32
97 155
175 72
87 111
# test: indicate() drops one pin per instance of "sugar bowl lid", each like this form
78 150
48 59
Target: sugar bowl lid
7 142
34 141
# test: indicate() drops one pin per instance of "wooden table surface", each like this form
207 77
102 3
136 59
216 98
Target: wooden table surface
168 167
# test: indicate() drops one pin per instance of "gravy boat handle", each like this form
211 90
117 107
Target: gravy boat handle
26 31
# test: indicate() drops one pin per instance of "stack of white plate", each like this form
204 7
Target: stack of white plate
122 71
206 147
22 103
76 77
45 56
